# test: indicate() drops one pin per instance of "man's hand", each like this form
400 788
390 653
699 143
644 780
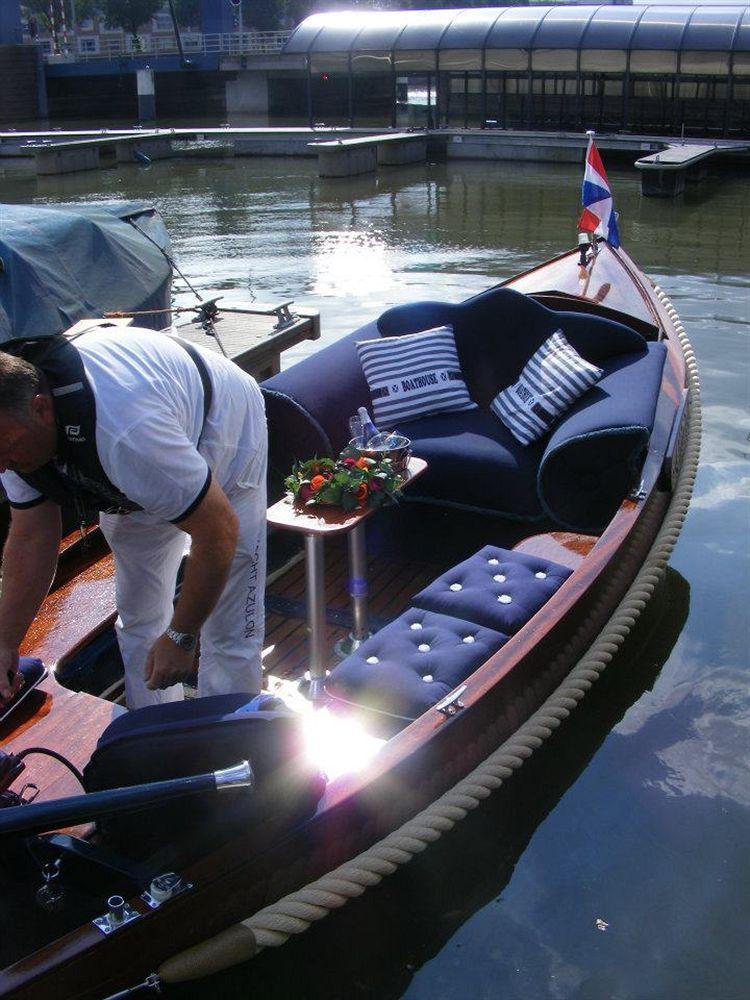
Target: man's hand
167 664
212 527
10 679
29 561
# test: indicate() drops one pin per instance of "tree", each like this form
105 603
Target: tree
129 14
188 13
39 10
263 15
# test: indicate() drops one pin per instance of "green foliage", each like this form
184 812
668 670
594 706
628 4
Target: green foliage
188 13
39 11
129 14
262 15
349 482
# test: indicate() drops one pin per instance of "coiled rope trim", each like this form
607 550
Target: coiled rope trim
296 912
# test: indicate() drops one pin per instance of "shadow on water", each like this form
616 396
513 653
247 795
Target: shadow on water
374 945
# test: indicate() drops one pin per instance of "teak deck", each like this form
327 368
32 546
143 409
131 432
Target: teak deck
83 606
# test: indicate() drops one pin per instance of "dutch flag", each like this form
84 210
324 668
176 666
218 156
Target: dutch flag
598 215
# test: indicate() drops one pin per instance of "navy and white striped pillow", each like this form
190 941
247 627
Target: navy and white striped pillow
413 375
551 381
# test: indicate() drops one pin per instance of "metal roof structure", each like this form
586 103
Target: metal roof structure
688 27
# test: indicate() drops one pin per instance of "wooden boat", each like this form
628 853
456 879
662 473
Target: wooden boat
66 954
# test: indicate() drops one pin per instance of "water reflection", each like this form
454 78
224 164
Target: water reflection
652 835
344 260
375 945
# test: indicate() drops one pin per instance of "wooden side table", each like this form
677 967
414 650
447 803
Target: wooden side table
316 524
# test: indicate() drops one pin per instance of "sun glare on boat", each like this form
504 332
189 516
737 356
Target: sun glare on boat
336 745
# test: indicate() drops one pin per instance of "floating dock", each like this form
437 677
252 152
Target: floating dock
363 154
254 335
251 334
663 174
347 151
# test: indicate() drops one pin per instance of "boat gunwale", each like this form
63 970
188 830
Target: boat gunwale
223 864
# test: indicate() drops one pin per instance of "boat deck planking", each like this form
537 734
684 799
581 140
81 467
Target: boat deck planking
83 606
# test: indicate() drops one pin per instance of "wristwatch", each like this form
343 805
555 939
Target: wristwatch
185 640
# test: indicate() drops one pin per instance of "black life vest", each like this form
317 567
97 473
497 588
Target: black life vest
76 477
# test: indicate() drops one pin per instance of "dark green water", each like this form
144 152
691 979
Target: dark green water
638 815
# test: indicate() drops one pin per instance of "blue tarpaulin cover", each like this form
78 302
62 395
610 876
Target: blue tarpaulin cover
64 263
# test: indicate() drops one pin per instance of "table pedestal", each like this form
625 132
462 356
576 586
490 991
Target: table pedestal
316 525
358 591
315 588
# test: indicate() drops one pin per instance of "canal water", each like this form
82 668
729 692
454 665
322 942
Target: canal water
616 864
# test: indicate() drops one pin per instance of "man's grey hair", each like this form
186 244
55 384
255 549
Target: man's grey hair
20 381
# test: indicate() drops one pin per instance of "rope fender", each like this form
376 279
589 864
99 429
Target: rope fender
293 914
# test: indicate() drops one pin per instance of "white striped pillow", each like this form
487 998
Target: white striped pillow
413 375
551 381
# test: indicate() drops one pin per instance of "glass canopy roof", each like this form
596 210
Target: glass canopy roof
689 27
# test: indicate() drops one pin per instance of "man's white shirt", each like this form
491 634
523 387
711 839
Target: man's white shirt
149 421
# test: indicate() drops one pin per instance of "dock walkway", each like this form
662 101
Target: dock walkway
449 143
252 334
91 153
363 154
248 335
664 173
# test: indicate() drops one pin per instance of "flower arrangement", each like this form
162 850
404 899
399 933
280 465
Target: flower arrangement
351 481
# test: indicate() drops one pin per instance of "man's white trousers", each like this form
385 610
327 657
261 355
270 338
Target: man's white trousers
147 557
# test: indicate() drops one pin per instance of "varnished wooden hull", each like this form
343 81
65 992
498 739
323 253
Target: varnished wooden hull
433 753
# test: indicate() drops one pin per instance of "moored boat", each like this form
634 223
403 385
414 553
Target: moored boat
574 552
65 263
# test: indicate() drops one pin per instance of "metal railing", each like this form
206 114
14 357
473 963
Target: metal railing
123 47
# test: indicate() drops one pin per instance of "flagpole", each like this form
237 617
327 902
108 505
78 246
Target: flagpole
584 238
590 132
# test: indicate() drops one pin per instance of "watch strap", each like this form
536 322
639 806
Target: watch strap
185 640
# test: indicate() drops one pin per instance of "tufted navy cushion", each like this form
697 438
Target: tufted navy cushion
474 460
413 663
496 588
498 330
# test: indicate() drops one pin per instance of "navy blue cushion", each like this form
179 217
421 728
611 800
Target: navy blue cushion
496 588
160 719
474 460
498 331
594 455
194 736
308 410
413 663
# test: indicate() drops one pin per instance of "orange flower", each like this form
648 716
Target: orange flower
317 481
362 463
362 492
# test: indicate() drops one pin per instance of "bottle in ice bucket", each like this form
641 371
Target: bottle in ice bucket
369 431
355 431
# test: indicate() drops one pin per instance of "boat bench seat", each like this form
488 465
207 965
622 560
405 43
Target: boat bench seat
496 588
577 474
454 625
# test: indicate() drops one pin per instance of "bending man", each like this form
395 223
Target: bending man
170 444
